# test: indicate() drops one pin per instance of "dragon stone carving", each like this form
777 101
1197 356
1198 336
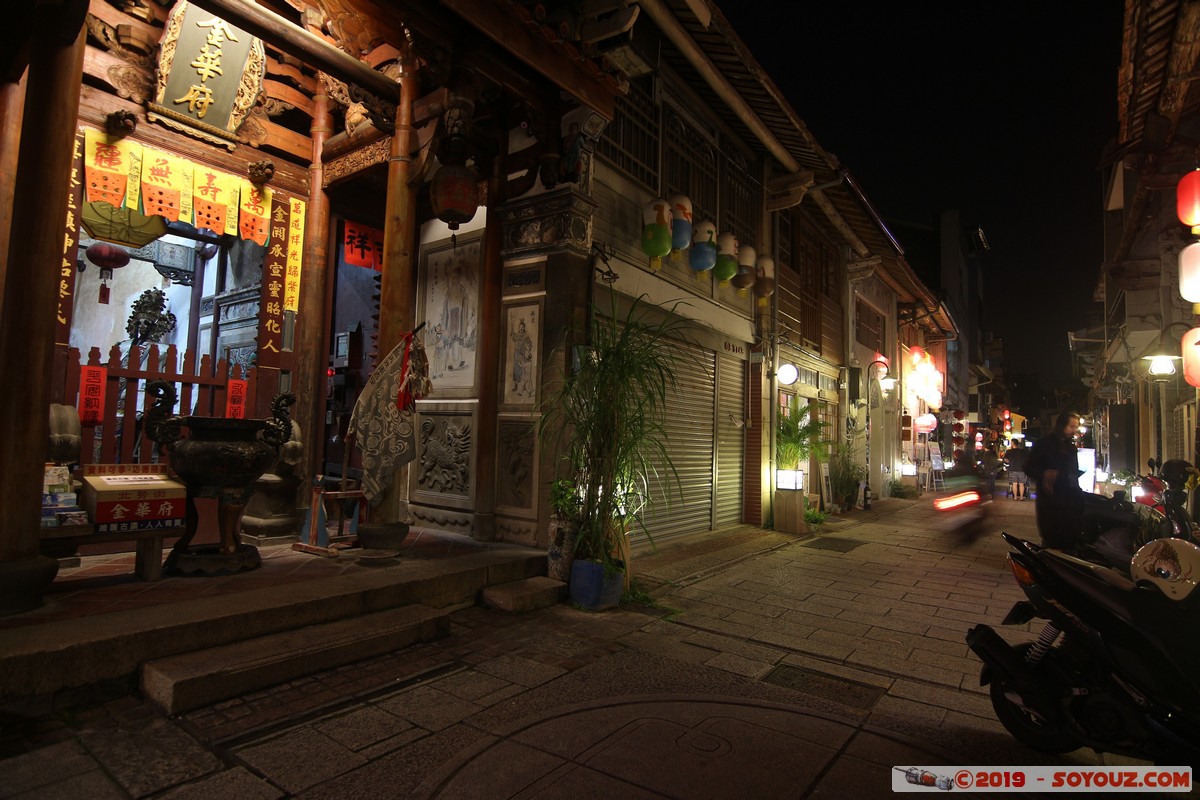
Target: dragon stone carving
445 457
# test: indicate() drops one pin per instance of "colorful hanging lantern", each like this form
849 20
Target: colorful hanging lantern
107 257
703 255
764 279
1187 200
1189 346
681 222
454 193
925 423
1189 272
747 257
727 265
656 231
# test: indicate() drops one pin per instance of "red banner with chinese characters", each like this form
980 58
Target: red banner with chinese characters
362 245
70 254
235 399
274 277
92 384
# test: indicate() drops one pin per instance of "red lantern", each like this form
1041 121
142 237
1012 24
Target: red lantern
454 193
107 256
958 440
959 414
1189 346
1187 200
958 427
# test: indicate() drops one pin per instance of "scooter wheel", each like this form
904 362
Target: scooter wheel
1027 729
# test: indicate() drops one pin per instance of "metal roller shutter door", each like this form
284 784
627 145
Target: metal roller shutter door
689 430
731 381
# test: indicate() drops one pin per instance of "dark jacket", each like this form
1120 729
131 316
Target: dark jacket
1059 513
1015 459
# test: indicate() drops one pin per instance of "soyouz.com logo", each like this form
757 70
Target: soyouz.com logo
1042 779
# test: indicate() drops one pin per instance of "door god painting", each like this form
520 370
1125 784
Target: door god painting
452 313
521 346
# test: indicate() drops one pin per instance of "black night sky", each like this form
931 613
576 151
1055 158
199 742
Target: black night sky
999 110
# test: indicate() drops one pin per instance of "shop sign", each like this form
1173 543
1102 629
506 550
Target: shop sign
210 74
92 384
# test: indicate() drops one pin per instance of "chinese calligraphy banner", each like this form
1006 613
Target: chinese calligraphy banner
70 253
362 246
295 254
215 198
209 75
274 275
92 383
166 186
255 206
112 169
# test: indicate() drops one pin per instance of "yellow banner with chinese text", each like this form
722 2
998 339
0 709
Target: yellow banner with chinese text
217 195
295 254
255 209
112 169
166 186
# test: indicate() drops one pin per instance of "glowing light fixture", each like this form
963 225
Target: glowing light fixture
787 374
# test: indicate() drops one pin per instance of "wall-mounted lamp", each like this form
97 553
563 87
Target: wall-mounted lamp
787 374
601 253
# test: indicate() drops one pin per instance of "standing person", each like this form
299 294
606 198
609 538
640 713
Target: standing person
1015 459
1053 464
990 466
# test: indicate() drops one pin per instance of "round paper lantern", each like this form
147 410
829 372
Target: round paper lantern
1187 200
959 414
681 222
958 440
107 256
745 277
764 279
656 231
1189 272
925 423
703 255
454 193
958 427
727 265
1189 346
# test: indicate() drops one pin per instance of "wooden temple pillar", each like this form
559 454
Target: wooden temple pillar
28 320
397 283
12 102
312 329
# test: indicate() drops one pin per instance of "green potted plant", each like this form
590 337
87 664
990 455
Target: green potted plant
846 476
564 525
799 435
605 420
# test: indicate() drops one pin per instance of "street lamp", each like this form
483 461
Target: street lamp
891 382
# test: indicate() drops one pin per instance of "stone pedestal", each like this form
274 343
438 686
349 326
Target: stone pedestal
271 515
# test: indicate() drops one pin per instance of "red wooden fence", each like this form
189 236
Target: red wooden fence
119 437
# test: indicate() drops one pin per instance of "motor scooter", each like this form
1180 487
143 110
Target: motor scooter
1114 666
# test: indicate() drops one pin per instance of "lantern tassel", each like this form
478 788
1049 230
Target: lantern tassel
655 264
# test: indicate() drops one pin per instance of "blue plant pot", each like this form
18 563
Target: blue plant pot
592 589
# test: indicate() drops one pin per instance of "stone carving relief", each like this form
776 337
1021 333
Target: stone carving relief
559 220
516 488
445 455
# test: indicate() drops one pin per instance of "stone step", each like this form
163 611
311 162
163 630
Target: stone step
529 594
191 680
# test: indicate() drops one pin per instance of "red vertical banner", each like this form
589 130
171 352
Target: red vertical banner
274 278
92 383
70 254
362 245
235 399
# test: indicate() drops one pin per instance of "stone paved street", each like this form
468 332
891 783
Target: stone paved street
770 666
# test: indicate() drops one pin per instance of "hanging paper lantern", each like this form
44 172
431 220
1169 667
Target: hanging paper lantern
764 279
958 427
1189 272
656 231
454 193
1187 200
925 423
958 440
1189 346
959 413
727 265
744 279
703 255
107 256
681 222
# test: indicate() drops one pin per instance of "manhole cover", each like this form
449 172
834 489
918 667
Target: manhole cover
833 543
830 687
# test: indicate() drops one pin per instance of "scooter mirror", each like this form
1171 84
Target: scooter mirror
1173 565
